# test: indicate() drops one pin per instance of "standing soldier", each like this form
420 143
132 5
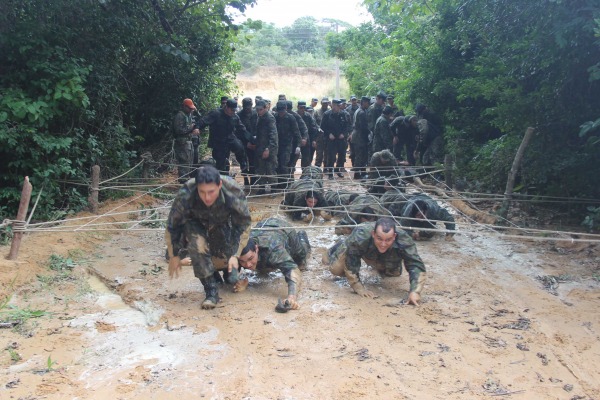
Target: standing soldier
267 145
360 138
208 215
224 136
335 128
247 115
289 138
313 131
282 249
373 113
406 133
182 129
303 136
321 140
382 135
383 247
314 102
390 102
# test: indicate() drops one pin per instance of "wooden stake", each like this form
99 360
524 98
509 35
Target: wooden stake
21 215
448 165
510 183
95 189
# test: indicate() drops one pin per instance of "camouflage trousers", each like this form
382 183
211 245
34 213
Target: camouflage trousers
183 155
434 153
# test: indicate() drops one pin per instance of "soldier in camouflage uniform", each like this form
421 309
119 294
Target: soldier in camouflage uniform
337 200
267 146
208 215
364 208
394 200
360 139
247 115
383 247
182 128
430 147
284 249
382 135
373 113
308 150
383 165
289 138
336 128
424 212
321 156
306 193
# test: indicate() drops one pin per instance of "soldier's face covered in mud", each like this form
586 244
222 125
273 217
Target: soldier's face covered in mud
249 259
383 240
209 192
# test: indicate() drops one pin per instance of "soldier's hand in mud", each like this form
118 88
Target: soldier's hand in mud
361 291
233 264
306 217
174 267
291 299
331 137
326 215
265 154
413 298
186 261
240 285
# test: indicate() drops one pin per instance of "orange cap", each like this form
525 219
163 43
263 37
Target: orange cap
189 103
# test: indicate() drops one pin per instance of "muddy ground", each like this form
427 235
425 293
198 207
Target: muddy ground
509 318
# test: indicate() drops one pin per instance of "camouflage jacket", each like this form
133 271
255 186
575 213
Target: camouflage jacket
383 164
229 213
279 249
287 131
394 200
265 131
360 134
364 206
312 172
182 125
335 123
222 127
336 199
382 135
360 245
373 113
434 213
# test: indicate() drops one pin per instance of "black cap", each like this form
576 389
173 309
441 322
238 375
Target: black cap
301 104
281 106
281 97
382 95
336 101
365 98
314 99
260 104
325 100
309 108
343 100
289 105
247 101
387 110
224 99
231 103
258 98
353 97
267 101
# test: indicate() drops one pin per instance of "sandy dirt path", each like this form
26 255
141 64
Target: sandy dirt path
119 328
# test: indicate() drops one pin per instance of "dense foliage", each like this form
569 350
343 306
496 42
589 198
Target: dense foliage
93 82
300 45
490 69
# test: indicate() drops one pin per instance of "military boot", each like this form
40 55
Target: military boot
212 292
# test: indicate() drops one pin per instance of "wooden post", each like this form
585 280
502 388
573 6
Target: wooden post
147 156
510 183
448 165
95 189
21 215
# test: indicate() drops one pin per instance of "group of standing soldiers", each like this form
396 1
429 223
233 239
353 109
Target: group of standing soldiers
267 142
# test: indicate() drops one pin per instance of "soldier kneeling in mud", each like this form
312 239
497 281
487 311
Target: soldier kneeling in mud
380 245
305 194
282 249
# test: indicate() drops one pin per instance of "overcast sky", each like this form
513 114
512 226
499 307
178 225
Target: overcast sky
285 12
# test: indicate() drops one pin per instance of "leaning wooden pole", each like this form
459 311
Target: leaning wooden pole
21 215
512 175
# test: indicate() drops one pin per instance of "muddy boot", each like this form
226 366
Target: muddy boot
212 293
